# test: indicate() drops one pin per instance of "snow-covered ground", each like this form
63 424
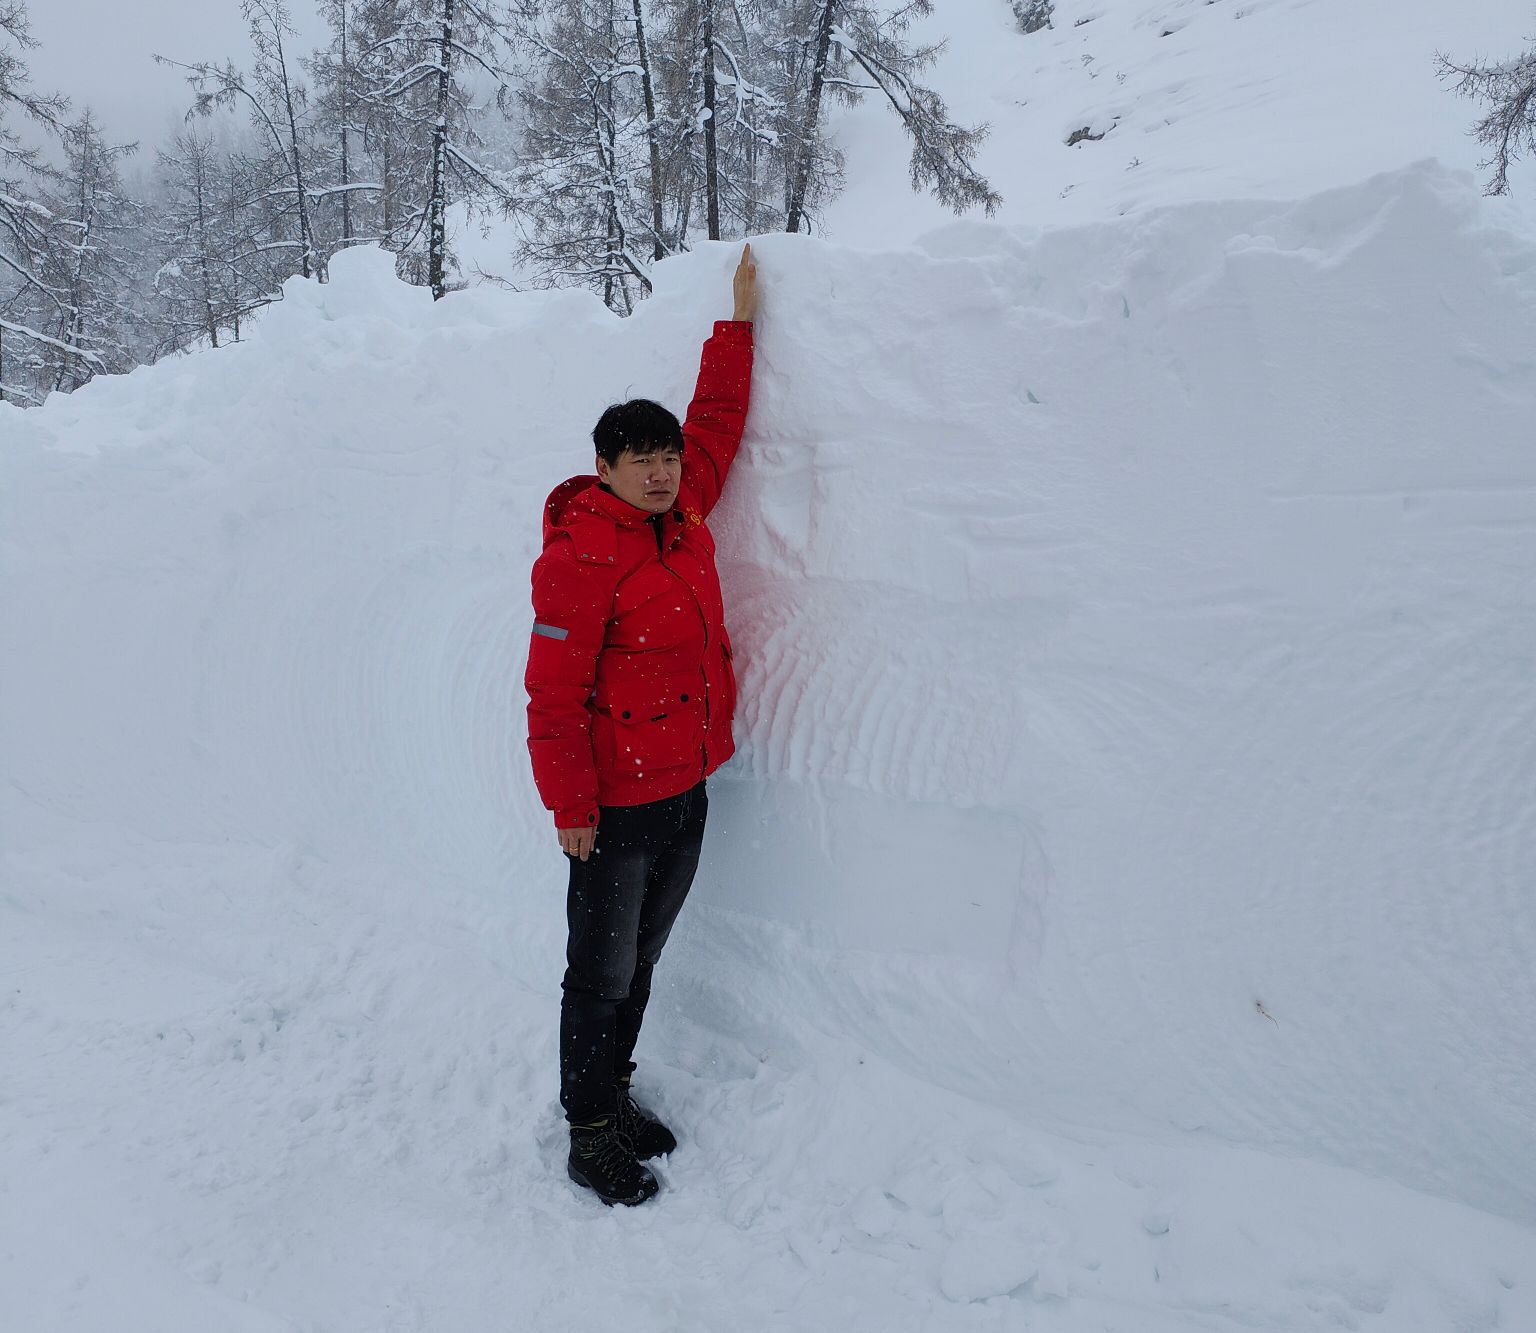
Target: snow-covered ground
1118 916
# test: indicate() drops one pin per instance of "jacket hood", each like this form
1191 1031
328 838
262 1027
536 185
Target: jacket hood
559 508
582 499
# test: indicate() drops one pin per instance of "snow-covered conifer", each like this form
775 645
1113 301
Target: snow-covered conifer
424 65
718 66
584 182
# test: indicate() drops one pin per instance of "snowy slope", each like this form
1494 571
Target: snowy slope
1117 916
1196 99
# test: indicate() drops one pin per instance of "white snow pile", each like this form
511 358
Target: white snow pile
1118 915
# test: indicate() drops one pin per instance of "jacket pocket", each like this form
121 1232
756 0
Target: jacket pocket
641 728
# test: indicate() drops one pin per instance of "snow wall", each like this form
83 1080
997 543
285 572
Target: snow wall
1135 624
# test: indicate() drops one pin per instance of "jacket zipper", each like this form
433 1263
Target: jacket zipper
703 620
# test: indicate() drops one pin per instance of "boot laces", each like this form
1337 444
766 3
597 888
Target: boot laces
628 1119
606 1149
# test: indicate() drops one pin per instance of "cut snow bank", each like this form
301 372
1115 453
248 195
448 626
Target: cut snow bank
1134 622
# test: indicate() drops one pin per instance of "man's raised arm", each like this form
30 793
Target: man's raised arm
718 413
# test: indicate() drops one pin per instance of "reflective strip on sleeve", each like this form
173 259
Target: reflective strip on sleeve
551 631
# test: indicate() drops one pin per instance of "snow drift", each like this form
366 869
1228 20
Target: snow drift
1134 624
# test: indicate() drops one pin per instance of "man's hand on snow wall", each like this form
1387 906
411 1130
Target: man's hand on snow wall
745 286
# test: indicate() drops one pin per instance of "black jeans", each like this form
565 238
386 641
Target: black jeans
620 907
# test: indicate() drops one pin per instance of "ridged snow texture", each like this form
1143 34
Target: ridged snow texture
1135 628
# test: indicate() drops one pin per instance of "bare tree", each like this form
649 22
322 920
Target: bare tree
340 121
92 268
197 282
748 118
33 238
255 268
941 150
707 114
652 129
586 150
853 33
810 127
394 133
211 239
277 104
1509 128
722 124
424 66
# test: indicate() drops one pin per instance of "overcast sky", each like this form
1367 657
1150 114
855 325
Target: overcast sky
101 53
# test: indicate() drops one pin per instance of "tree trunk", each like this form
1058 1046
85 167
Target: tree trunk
616 261
711 174
812 113
72 330
389 190
603 127
657 249
749 61
234 240
437 203
210 319
346 113
310 262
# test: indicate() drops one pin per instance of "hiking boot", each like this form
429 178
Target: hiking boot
602 1160
645 1134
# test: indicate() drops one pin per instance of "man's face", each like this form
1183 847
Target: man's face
648 479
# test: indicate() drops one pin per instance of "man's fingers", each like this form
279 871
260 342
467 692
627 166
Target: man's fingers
578 842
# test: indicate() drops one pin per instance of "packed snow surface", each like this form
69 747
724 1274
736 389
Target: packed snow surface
1117 917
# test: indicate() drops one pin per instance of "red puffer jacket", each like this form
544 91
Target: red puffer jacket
630 688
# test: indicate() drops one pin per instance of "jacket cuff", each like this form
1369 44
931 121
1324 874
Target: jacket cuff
580 816
736 330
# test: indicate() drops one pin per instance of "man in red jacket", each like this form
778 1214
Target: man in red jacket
631 696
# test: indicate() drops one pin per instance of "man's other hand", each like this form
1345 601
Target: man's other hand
577 842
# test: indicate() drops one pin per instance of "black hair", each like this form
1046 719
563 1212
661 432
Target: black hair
635 426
